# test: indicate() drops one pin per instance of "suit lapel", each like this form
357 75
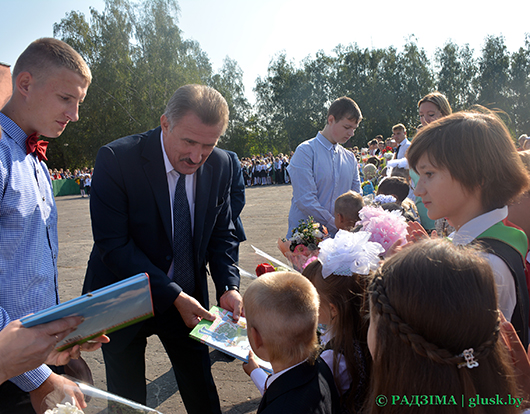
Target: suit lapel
153 165
202 196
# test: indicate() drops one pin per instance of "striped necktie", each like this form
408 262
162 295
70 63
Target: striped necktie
183 266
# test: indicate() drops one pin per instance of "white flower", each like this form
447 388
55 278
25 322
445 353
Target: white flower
349 253
65 408
383 199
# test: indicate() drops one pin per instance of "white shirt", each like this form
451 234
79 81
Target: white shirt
503 276
402 149
262 380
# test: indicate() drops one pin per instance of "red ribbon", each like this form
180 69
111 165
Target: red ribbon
34 145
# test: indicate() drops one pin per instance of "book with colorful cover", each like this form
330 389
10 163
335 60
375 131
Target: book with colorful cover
226 335
104 310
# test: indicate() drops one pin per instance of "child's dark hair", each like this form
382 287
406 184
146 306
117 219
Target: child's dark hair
373 160
477 150
350 326
431 302
396 186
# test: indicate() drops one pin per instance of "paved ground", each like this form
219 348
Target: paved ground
265 220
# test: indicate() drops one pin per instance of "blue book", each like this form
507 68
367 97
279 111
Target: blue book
104 311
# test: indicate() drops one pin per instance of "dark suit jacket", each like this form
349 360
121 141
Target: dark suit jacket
131 224
305 389
237 195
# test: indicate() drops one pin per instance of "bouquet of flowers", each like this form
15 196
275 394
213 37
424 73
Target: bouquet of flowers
385 227
302 247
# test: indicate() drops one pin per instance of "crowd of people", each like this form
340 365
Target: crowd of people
384 315
265 169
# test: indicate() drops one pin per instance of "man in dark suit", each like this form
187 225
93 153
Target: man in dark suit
140 224
237 199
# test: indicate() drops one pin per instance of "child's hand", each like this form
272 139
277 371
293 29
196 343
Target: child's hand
416 232
251 365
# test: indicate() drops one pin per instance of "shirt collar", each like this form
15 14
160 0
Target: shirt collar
275 375
167 164
475 227
12 130
324 142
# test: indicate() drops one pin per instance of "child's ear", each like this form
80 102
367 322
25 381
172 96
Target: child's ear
339 219
257 340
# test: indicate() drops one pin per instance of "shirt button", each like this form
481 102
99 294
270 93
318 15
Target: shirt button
43 198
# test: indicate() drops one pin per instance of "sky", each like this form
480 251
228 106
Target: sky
253 32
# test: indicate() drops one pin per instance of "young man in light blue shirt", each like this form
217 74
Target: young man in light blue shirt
321 169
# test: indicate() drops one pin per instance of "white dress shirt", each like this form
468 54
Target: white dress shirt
503 276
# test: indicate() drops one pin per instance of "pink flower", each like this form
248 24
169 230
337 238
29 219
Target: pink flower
386 227
301 249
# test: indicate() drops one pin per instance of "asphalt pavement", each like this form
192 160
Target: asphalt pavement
264 219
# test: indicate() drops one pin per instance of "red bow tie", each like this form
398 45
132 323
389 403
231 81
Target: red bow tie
33 144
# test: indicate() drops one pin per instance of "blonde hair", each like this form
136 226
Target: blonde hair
399 127
205 102
283 308
348 205
46 54
439 100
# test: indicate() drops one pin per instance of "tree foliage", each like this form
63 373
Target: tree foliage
138 58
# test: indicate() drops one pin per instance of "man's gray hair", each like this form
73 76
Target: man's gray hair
204 101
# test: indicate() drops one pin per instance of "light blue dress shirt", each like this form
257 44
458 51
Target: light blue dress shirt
28 237
320 172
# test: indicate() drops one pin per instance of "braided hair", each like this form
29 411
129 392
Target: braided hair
429 303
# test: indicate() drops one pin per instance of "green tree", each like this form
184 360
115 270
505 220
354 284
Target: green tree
283 99
457 75
520 88
229 82
416 80
138 59
493 78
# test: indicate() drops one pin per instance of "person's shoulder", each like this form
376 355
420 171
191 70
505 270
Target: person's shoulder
220 157
305 148
133 140
310 388
231 154
308 143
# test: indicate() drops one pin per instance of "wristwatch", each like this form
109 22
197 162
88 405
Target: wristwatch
231 287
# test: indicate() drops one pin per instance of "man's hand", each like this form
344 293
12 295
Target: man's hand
233 302
191 310
53 391
23 349
63 357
